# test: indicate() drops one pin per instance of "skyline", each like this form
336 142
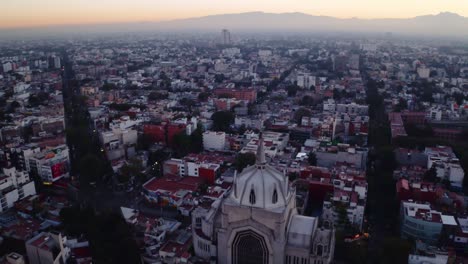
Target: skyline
29 13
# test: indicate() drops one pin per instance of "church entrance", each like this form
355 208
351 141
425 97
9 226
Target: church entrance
249 247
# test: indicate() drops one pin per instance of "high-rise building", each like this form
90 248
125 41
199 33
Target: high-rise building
57 62
226 37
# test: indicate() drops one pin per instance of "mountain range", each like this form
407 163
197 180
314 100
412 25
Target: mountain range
442 24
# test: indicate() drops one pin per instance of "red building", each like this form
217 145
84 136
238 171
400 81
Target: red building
172 130
163 133
447 133
240 94
208 173
314 172
421 192
225 104
156 132
414 118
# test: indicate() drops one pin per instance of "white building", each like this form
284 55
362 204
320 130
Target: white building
249 122
57 62
435 113
329 106
265 53
47 248
190 124
50 164
352 108
258 222
231 52
14 186
430 259
305 80
214 140
274 143
423 72
446 164
125 122
13 258
21 87
118 142
350 195
7 66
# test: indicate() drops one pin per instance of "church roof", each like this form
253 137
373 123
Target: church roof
301 230
261 185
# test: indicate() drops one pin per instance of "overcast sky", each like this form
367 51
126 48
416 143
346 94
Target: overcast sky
26 13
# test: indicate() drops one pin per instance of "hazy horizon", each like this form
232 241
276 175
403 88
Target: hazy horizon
33 13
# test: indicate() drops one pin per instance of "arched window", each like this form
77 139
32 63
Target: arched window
319 250
274 199
249 248
252 197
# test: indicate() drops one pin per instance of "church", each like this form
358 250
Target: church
257 223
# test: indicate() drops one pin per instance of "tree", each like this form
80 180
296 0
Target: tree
387 156
154 96
431 174
156 159
91 169
427 92
343 221
111 238
300 113
307 100
38 99
203 96
244 159
219 78
14 105
402 105
108 87
292 90
131 169
292 176
222 120
187 103
395 250
144 142
312 159
196 140
181 144
459 97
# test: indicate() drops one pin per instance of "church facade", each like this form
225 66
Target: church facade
257 223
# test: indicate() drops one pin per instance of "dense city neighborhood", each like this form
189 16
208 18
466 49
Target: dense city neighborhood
261 149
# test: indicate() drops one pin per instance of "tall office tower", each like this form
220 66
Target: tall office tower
57 62
226 37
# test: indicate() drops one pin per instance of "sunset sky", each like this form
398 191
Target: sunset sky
26 13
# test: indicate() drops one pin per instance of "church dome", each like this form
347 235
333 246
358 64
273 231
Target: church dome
261 185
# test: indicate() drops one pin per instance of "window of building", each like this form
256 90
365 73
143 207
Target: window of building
319 250
275 197
252 198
